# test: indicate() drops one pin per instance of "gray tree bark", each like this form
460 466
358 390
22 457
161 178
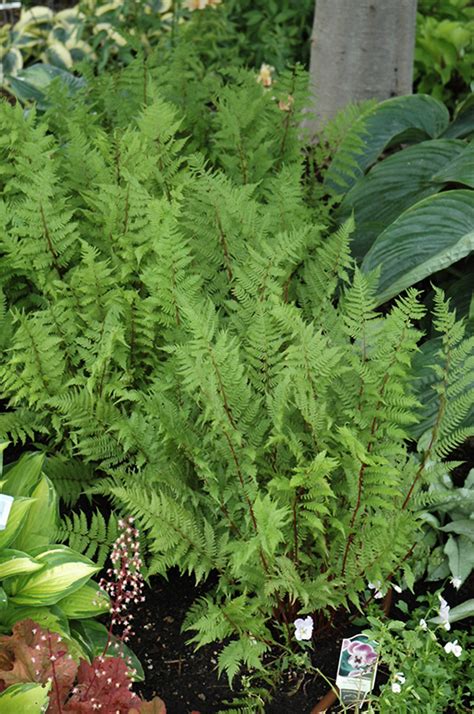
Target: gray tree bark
360 49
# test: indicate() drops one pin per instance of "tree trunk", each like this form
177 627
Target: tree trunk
360 49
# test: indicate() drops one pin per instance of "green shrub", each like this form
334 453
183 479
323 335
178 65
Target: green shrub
445 49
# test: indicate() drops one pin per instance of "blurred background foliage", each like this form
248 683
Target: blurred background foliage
240 32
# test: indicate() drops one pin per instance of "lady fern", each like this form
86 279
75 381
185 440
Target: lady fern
194 342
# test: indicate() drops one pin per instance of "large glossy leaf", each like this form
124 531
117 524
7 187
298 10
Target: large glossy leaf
461 170
463 123
394 185
88 601
428 237
411 118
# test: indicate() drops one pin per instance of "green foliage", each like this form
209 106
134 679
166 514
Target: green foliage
444 49
93 537
91 31
423 676
36 576
413 209
183 321
272 31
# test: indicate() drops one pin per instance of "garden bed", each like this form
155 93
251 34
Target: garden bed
188 681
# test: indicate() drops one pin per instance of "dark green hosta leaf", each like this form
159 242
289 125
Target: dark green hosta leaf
412 118
427 237
394 185
463 123
461 170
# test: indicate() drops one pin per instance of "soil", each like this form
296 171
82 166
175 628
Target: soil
187 681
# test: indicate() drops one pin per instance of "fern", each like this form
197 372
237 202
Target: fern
188 335
93 538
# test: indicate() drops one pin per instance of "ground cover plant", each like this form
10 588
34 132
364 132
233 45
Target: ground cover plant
187 336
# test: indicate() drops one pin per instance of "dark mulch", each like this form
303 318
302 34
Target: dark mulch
187 680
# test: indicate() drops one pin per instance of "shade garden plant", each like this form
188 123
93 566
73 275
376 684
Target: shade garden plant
186 333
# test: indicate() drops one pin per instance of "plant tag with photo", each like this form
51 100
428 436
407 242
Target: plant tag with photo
5 506
356 670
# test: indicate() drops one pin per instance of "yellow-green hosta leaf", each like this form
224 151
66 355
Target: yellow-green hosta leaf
25 40
22 477
72 15
80 50
108 7
64 572
42 518
50 618
3 446
29 698
37 15
58 56
111 33
88 601
14 562
16 521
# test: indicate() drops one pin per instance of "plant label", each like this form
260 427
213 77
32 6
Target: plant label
356 670
5 507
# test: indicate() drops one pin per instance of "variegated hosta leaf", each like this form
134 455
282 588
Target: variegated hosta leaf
16 520
64 572
58 56
38 15
14 562
11 62
30 697
88 601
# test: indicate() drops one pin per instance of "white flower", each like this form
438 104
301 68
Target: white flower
444 612
423 624
304 628
396 688
456 583
400 677
397 588
454 648
376 586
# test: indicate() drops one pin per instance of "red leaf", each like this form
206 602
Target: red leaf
27 655
106 682
156 706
